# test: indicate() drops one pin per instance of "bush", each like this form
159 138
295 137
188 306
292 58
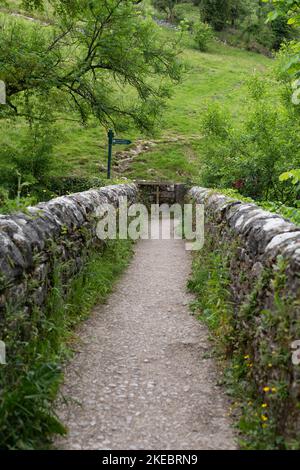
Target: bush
251 155
62 185
215 122
25 162
221 13
257 34
203 34
215 12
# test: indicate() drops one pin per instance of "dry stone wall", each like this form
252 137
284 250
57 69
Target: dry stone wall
261 236
263 254
61 230
263 259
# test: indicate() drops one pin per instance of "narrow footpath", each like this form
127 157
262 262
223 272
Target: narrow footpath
142 376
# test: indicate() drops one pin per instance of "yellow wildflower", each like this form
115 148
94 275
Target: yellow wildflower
264 405
264 418
247 357
274 389
266 389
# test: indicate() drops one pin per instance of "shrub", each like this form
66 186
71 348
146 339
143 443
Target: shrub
251 155
215 122
61 185
203 34
27 161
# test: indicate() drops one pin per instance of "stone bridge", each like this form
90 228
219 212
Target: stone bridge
263 249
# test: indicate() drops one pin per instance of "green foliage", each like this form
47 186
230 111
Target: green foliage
277 207
26 162
215 12
266 143
213 305
287 9
293 175
203 35
243 24
38 344
251 156
282 31
187 11
9 205
53 186
62 185
288 12
221 12
73 64
261 36
168 7
288 212
215 122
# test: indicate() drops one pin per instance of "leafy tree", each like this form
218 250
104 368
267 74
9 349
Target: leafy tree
168 7
288 12
221 12
281 30
102 58
215 12
26 161
286 8
238 9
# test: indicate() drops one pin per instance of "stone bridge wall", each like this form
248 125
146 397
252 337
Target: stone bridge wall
263 259
63 229
263 235
263 253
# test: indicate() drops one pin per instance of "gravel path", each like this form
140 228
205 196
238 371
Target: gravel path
141 377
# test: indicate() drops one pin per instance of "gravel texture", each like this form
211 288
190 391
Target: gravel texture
142 376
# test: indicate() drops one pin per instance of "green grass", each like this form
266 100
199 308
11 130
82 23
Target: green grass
16 7
81 150
167 161
187 11
218 75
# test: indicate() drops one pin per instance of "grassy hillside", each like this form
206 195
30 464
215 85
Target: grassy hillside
217 75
